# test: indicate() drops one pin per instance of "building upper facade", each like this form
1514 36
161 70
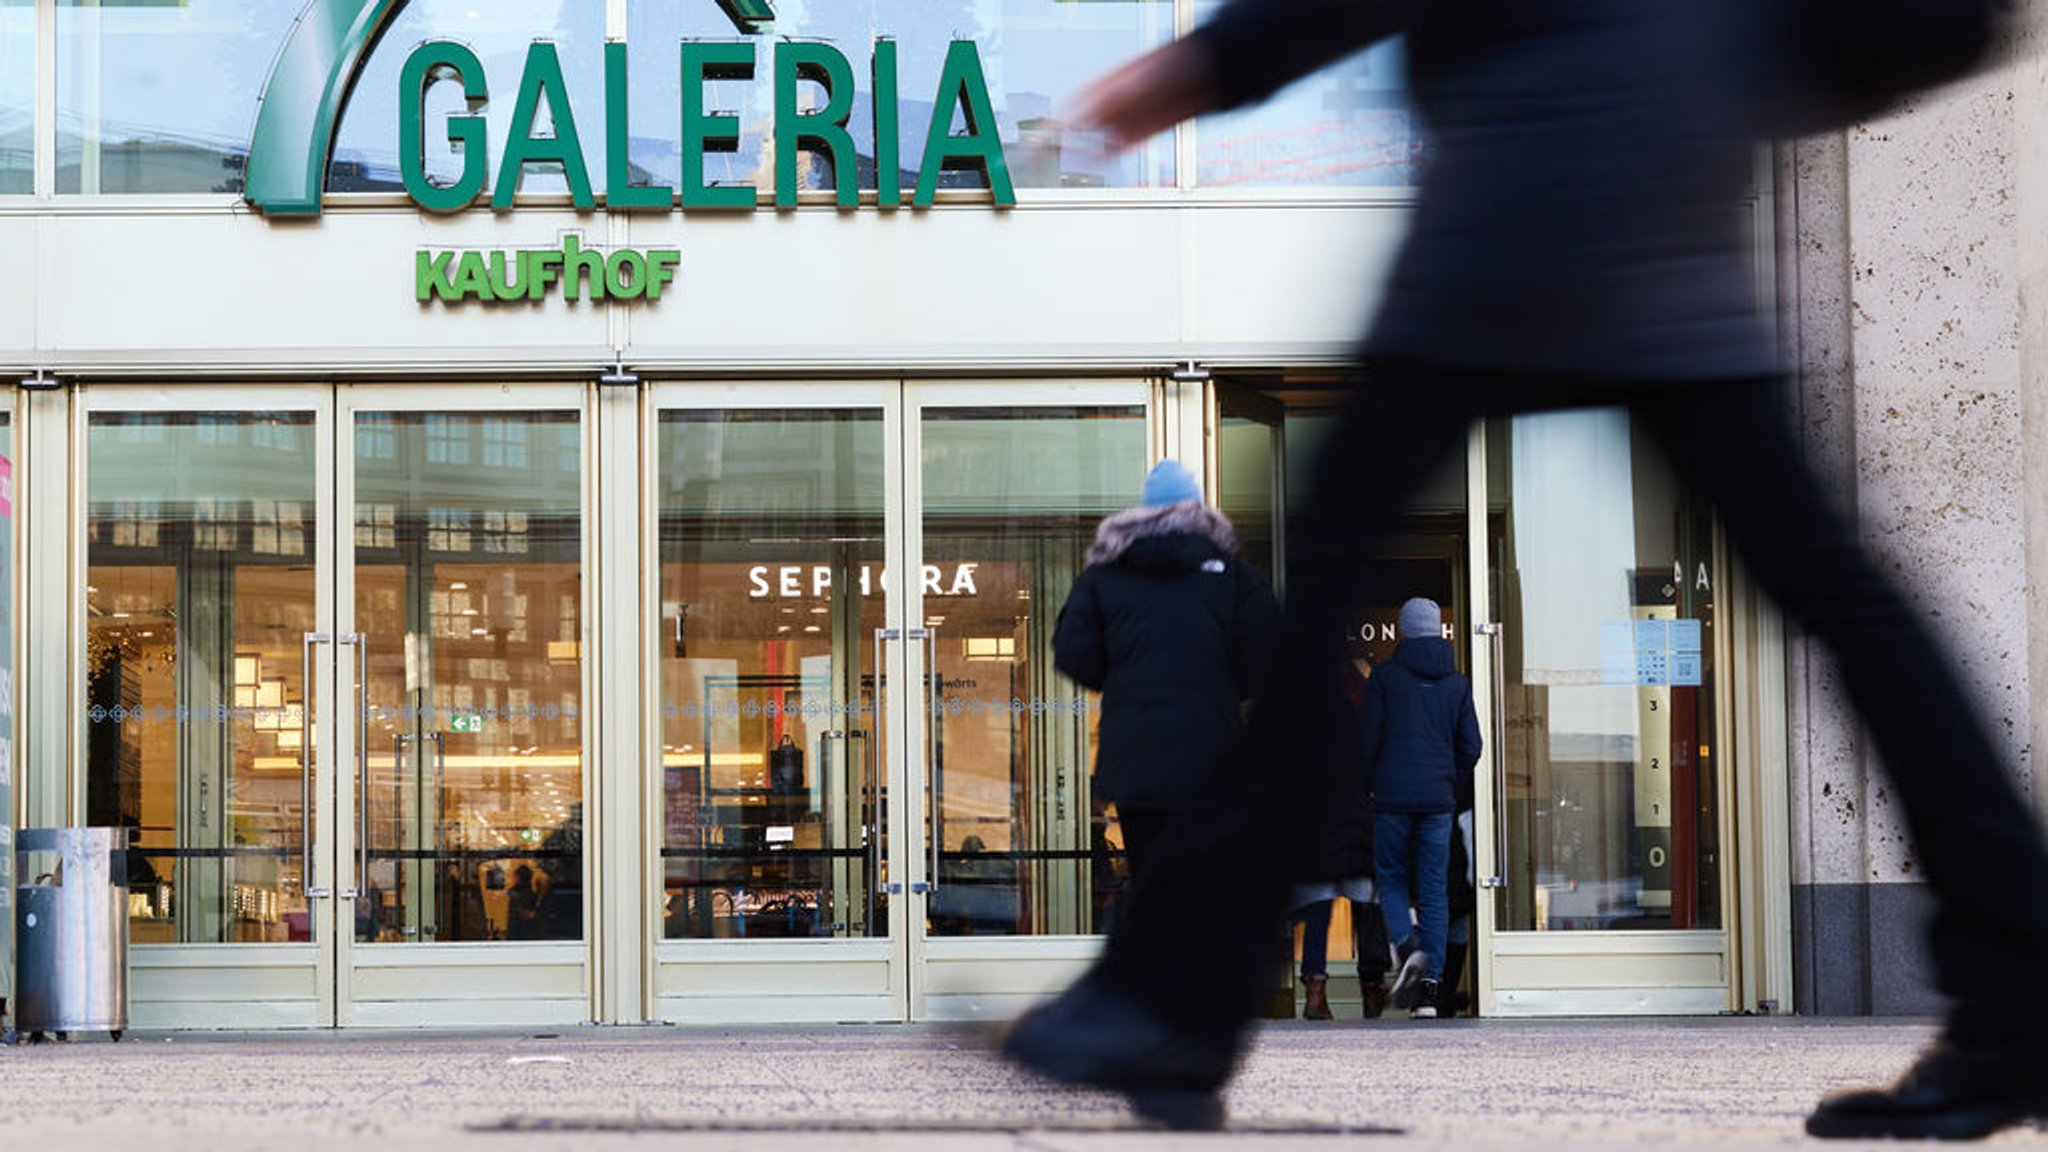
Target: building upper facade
331 184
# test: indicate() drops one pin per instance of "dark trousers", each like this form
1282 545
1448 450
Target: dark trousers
1314 918
1411 862
1193 943
1368 929
1142 828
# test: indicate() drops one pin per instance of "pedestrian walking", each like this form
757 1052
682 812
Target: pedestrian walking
1171 625
1576 242
1420 732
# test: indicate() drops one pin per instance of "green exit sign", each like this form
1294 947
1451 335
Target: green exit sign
466 723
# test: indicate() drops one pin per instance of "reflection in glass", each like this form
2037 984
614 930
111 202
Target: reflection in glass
1035 55
1345 126
1604 572
500 32
1011 501
1250 443
17 96
199 530
772 594
469 594
161 97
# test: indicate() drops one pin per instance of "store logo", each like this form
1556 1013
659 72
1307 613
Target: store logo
452 276
325 51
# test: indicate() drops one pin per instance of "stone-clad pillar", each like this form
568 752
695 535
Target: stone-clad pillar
1900 258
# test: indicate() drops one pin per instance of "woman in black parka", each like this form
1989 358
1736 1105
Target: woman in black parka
1173 628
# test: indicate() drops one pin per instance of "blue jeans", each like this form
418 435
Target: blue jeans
1412 859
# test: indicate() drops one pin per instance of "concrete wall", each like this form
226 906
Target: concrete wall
1904 270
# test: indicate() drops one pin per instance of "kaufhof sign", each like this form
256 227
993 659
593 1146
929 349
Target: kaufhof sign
326 49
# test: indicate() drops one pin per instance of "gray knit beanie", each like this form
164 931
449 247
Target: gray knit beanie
1420 617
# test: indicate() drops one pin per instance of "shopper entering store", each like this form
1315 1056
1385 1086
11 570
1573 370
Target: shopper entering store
1174 629
1420 733
1577 242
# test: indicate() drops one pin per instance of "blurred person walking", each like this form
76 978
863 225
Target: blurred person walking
1174 629
1577 241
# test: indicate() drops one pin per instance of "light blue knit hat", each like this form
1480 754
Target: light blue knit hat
1168 483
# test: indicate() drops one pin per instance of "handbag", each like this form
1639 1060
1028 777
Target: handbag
786 767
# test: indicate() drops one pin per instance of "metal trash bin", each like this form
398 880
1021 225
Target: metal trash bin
71 931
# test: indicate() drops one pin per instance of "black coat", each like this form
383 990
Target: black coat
1174 630
1584 205
1419 730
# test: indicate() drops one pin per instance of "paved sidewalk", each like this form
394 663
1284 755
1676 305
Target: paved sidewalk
1720 1083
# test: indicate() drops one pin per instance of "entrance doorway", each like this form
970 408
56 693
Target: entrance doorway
1602 804
1578 580
334 685
874 786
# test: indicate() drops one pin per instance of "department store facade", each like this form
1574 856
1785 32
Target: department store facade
554 511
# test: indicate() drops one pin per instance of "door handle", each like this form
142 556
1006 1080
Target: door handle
869 823
876 887
1495 634
360 643
312 640
930 636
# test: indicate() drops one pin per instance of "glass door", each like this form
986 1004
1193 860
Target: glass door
874 786
457 706
775 628
206 537
1017 859
1600 795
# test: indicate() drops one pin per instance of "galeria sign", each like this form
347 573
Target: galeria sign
962 89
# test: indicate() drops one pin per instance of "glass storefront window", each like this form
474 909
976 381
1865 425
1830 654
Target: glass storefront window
469 595
1347 126
162 97
500 31
1035 55
199 588
1012 497
1603 569
17 96
772 592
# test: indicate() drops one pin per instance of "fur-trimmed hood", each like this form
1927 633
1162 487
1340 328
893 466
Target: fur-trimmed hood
1121 531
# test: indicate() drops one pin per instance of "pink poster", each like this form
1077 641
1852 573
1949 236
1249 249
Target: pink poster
6 486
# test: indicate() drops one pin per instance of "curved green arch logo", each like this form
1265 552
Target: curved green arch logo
300 106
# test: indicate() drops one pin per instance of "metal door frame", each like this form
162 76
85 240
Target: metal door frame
442 984
1537 973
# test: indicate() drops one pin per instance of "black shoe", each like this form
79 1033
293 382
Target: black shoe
1092 1037
1950 1093
1408 977
1426 995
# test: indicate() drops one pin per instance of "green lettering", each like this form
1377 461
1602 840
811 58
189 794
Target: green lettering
580 264
825 128
471 278
508 282
661 269
625 274
962 86
430 275
543 77
705 132
431 62
542 272
619 190
888 146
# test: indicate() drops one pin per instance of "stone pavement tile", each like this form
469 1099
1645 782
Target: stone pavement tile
1504 1085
